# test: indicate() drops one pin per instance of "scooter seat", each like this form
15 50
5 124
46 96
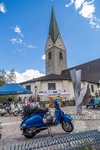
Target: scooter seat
29 109
33 110
40 110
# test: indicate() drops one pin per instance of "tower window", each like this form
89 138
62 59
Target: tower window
60 55
49 55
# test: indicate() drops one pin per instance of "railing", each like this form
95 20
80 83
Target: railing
65 142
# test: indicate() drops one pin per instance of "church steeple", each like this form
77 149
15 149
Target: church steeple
53 29
55 51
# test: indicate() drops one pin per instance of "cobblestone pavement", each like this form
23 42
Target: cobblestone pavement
11 130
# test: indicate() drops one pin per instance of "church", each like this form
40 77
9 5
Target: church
57 79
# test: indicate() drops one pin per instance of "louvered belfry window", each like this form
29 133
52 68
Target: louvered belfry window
49 55
60 55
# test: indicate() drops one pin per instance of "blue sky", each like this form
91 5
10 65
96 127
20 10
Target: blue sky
24 26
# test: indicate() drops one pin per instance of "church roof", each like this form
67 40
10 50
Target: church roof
90 71
46 78
53 28
51 77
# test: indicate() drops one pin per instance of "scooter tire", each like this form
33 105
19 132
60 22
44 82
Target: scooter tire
67 126
28 136
15 113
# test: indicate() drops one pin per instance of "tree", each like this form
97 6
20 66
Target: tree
7 76
1 83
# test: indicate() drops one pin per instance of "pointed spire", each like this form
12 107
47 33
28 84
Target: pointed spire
53 29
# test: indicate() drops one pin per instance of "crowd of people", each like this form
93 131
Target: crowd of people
94 101
25 100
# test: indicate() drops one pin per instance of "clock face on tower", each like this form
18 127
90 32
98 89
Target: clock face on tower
60 45
49 45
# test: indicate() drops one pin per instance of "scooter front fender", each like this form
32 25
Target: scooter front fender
67 118
32 121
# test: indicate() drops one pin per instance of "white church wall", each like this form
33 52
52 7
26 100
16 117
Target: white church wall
60 85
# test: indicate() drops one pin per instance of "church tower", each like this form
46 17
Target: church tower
55 51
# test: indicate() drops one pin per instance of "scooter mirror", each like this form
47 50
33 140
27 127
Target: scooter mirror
56 101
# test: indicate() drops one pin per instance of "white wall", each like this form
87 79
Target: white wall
60 85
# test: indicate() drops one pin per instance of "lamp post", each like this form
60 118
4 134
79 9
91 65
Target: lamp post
35 88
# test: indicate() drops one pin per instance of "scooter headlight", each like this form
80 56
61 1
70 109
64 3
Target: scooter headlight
21 127
24 125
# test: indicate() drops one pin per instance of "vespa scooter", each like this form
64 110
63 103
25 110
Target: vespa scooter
38 119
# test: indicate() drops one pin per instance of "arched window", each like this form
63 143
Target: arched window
60 55
49 55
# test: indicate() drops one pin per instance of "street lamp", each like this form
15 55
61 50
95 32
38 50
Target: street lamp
35 88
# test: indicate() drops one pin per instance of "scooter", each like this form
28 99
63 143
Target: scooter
38 119
8 109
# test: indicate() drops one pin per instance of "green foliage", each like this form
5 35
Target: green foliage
3 98
7 76
1 83
86 148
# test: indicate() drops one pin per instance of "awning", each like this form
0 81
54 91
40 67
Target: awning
13 89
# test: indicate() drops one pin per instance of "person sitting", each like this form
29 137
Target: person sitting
91 102
96 100
64 101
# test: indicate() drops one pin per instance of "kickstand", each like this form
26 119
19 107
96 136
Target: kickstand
50 132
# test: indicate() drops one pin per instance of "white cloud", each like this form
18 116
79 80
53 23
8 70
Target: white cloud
17 29
27 75
72 1
31 46
15 40
20 41
20 50
86 10
78 3
43 57
2 8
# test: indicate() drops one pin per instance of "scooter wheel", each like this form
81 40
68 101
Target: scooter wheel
27 134
67 126
15 113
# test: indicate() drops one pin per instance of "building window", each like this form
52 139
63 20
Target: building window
51 86
49 55
28 87
92 88
60 55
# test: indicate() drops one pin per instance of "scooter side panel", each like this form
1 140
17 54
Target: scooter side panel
33 121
